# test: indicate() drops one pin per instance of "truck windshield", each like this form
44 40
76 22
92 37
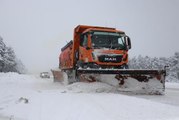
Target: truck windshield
107 40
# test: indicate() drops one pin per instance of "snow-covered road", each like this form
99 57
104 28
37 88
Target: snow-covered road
171 96
28 97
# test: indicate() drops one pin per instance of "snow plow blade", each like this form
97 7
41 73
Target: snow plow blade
130 80
60 76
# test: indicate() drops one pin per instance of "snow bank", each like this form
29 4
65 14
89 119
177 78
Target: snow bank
27 97
153 86
14 86
96 87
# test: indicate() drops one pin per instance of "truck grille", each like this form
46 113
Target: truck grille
109 58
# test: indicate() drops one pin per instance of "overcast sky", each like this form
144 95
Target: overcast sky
37 29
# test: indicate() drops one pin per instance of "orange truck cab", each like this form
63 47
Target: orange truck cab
95 47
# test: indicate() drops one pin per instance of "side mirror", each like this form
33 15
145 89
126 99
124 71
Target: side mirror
128 42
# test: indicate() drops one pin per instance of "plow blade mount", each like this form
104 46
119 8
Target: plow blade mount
129 80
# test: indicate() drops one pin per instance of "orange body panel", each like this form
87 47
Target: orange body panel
86 56
66 57
73 52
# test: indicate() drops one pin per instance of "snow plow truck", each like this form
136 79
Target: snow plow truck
101 54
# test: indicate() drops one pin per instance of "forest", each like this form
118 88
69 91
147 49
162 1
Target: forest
146 62
8 60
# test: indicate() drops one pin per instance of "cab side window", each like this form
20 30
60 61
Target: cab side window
84 40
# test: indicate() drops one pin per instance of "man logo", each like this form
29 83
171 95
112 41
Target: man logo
110 59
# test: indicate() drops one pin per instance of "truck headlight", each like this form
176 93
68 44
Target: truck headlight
126 57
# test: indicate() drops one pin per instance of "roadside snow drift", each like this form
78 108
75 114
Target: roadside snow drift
28 97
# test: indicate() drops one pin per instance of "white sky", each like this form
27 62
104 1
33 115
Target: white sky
37 29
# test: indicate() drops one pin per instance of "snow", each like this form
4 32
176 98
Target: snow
153 86
28 97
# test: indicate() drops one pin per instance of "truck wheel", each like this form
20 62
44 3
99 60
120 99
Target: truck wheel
125 66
